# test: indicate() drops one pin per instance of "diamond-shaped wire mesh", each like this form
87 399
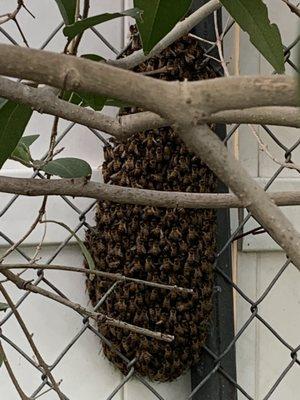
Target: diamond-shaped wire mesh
81 215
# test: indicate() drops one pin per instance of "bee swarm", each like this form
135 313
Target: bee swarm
170 246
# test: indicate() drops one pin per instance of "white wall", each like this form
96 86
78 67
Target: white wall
261 358
86 374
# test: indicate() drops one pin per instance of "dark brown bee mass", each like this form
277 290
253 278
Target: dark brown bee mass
171 246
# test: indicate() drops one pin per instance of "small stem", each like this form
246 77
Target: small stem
219 45
12 375
294 9
30 230
28 336
25 285
108 275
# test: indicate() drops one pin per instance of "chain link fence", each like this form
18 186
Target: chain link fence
82 217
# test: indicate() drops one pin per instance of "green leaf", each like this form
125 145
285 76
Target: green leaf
72 97
21 154
94 101
252 16
67 9
68 168
4 306
13 120
29 140
22 151
93 57
158 18
82 246
78 27
116 103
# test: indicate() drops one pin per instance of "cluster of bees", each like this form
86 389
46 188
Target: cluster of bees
170 246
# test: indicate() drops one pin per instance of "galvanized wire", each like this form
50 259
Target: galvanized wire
80 223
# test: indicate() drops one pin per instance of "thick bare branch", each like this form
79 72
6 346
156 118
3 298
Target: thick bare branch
44 100
281 116
120 194
209 147
181 29
185 101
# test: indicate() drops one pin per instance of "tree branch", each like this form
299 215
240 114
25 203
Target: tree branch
204 142
44 100
108 275
181 29
125 195
25 285
12 375
186 101
42 363
294 9
280 116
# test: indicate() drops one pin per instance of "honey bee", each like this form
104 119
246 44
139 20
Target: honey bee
192 234
129 164
108 153
149 264
154 248
175 234
172 246
138 170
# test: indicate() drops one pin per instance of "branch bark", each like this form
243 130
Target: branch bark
280 116
29 338
44 100
125 195
12 375
186 101
181 29
211 150
108 275
25 285
189 103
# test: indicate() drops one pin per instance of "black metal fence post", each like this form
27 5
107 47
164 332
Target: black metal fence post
217 387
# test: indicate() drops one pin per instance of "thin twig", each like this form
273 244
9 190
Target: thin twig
29 338
181 29
52 140
102 318
220 46
30 230
157 71
108 275
12 375
12 15
264 147
44 392
200 38
294 9
77 39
